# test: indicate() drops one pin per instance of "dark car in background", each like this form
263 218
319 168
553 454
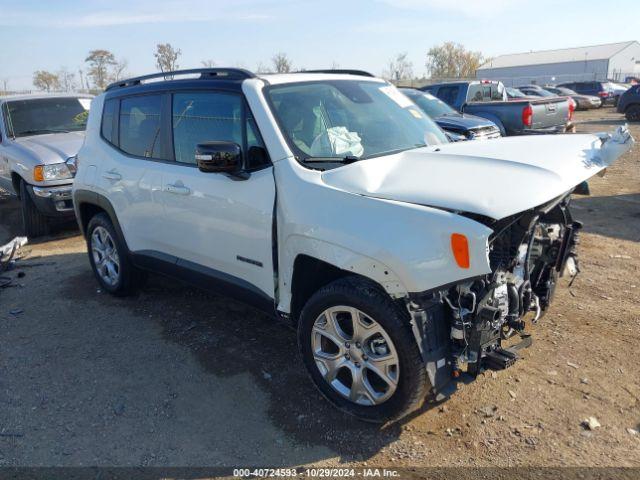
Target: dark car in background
522 116
602 90
470 127
629 104
583 102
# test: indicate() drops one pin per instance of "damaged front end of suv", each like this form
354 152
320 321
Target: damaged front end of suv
481 323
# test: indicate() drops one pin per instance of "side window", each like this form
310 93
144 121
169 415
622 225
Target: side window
448 94
108 112
205 117
140 126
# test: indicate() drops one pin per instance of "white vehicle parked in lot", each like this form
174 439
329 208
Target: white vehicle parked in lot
331 200
39 138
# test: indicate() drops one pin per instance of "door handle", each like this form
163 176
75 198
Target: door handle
178 189
112 175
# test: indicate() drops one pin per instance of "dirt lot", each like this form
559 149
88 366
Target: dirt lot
180 377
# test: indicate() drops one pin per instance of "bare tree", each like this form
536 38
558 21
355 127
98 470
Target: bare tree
99 63
208 63
119 70
281 63
335 65
452 60
67 80
262 68
167 57
44 80
399 68
5 82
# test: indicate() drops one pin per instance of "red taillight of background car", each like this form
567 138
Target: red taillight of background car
527 116
603 94
572 107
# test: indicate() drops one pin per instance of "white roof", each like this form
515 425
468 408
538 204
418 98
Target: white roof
577 54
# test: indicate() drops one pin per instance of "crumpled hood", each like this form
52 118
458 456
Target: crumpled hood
496 179
52 147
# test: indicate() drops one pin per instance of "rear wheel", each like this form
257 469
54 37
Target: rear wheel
633 113
109 258
360 351
34 223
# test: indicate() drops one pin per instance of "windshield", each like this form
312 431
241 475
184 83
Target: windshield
46 115
429 104
350 119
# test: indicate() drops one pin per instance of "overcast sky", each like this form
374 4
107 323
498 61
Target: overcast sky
46 35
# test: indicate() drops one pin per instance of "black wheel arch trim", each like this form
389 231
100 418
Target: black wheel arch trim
86 197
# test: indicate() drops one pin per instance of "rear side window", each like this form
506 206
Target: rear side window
205 117
140 126
448 94
108 117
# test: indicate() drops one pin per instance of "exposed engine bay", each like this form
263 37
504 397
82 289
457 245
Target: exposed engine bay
466 327
527 254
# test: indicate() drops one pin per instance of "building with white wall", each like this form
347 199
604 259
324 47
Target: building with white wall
613 61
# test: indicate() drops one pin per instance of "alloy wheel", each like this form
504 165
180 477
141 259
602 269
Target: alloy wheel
105 256
355 355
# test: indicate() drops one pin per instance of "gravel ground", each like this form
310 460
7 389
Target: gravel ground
180 377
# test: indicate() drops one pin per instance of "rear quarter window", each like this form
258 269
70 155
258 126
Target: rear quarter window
140 126
108 120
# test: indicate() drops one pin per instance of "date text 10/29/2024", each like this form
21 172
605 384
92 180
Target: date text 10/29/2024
315 472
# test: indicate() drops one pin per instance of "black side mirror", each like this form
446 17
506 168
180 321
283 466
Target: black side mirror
219 157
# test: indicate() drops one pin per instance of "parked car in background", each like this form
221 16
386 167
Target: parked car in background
536 91
41 135
470 127
539 92
618 90
602 90
488 99
583 102
514 94
331 201
629 104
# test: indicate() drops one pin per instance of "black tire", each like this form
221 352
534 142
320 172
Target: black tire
366 296
34 223
633 113
129 277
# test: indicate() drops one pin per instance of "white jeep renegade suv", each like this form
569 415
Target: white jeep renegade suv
330 199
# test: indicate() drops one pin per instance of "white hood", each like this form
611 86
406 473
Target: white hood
496 179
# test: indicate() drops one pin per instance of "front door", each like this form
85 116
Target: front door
216 221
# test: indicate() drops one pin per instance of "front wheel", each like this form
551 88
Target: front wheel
360 352
34 223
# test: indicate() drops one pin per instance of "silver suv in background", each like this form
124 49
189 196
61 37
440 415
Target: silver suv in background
39 138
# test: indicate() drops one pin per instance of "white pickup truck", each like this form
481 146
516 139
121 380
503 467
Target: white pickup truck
333 201
40 136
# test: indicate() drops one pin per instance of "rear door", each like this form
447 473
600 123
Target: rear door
128 175
217 223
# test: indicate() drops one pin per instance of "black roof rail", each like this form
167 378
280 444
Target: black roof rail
340 71
205 73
